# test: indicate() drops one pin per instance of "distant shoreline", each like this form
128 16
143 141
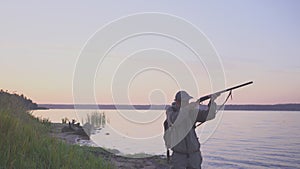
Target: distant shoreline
247 107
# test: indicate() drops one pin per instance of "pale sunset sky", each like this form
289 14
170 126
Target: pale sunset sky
259 40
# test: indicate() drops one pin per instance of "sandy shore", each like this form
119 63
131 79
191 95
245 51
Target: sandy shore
154 162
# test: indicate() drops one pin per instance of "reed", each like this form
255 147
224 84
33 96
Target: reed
97 120
25 143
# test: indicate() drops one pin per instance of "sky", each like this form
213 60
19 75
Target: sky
255 40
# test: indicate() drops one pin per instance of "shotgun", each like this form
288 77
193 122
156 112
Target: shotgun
223 91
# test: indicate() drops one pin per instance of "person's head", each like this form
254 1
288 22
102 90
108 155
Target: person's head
182 98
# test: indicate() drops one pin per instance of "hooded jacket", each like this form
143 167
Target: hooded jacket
190 142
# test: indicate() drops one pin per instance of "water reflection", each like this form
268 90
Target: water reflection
242 140
109 129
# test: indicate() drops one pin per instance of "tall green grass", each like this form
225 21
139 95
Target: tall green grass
25 143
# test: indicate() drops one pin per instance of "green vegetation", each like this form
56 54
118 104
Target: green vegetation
25 141
8 99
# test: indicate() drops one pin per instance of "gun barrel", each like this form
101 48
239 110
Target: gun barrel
222 91
234 87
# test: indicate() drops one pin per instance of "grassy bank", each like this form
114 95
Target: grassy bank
25 143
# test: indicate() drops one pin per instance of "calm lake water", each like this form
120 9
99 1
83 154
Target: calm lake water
236 139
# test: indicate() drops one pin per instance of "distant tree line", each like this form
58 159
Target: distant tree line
12 99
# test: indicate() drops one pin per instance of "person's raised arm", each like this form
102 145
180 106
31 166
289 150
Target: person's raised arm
210 113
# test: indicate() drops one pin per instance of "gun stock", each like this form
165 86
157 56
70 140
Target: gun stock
201 99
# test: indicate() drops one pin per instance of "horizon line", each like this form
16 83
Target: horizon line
110 104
